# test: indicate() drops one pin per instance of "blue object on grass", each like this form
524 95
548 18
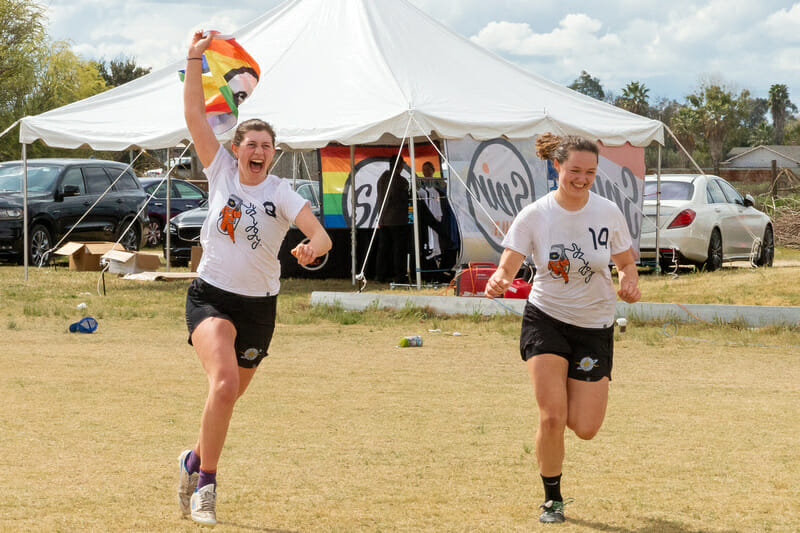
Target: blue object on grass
85 325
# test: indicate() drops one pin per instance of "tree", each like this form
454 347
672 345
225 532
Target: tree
588 85
685 124
760 135
780 106
120 70
22 38
718 114
64 78
634 98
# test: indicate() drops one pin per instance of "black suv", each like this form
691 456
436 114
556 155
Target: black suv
60 191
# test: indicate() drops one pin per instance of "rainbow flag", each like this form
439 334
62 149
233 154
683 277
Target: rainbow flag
230 75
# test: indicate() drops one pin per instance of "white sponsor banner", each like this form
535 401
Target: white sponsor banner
498 178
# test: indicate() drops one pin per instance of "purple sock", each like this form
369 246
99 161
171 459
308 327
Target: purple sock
206 478
192 462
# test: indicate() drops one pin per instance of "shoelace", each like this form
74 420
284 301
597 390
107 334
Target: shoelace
554 506
207 499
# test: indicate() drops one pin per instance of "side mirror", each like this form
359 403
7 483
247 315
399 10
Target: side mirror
749 201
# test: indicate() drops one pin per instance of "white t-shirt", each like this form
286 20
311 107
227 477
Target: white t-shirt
572 251
244 229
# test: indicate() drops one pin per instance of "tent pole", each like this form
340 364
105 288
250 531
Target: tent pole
169 207
25 243
353 229
658 211
414 212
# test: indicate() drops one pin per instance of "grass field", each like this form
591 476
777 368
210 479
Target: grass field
342 431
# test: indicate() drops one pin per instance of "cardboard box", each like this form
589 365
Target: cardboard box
197 253
122 262
85 256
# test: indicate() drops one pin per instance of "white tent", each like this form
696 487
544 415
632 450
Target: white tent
352 72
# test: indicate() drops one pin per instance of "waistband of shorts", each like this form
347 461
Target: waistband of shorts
210 286
562 323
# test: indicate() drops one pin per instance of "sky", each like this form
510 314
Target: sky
672 46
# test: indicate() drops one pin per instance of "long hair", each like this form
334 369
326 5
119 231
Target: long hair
551 147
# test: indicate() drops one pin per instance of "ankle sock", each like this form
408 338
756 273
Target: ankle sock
192 462
206 478
552 488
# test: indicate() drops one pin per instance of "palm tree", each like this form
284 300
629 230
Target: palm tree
634 98
781 107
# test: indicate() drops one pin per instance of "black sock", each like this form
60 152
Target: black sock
552 488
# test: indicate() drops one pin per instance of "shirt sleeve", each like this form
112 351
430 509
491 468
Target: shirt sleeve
520 237
222 164
621 239
290 203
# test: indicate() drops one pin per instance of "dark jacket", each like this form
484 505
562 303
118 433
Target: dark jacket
395 210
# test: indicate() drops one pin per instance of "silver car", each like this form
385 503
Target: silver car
703 221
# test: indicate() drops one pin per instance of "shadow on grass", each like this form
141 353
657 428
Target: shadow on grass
654 526
256 528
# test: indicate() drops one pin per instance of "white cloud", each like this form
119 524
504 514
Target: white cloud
784 24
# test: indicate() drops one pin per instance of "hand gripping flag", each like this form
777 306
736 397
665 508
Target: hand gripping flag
229 77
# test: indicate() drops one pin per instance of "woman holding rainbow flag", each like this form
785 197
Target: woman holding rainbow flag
230 306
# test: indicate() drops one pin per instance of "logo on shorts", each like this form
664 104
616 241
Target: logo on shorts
251 354
587 364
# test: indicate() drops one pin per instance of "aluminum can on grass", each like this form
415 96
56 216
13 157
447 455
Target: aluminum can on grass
411 342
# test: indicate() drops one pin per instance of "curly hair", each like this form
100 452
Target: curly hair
555 147
253 124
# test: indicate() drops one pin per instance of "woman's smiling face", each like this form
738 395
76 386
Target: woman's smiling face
254 154
576 174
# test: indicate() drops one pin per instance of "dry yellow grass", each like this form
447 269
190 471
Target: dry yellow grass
342 431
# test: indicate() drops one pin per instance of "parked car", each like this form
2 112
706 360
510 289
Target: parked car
184 196
185 228
61 198
704 222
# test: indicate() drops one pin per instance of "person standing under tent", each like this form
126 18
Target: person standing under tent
394 229
568 325
230 306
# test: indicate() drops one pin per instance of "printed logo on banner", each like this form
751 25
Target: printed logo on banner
625 191
367 202
500 184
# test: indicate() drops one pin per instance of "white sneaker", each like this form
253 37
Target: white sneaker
204 502
186 485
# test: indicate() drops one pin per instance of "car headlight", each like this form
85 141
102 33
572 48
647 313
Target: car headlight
10 213
173 228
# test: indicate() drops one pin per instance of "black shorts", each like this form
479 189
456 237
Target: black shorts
589 351
252 316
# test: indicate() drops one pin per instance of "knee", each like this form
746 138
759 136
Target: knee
551 422
585 430
225 388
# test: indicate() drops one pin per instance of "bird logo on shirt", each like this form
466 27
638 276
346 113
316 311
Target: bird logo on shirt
229 217
558 265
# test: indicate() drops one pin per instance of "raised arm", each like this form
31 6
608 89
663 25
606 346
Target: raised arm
501 280
319 241
628 276
194 106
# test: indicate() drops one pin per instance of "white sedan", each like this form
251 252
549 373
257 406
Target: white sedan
703 221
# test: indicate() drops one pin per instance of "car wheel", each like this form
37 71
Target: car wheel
41 241
714 260
767 249
153 232
130 240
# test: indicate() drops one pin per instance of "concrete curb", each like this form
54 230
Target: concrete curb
750 315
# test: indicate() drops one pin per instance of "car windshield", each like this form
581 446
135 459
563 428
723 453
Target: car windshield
40 178
670 190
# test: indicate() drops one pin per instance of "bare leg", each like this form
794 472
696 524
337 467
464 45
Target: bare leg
549 377
587 406
214 340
